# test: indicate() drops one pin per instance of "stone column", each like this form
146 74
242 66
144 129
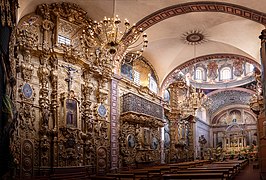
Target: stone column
261 118
114 114
245 141
211 138
249 138
224 142
214 139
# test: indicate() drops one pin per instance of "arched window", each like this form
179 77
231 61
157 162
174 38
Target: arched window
166 95
199 73
153 84
249 68
225 73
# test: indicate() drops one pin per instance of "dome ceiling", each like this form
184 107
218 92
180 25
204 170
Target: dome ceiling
221 99
224 33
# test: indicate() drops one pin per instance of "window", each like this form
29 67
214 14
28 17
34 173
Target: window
153 85
136 77
225 73
63 40
199 74
166 96
126 70
249 68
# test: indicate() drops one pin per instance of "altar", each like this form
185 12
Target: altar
234 142
234 139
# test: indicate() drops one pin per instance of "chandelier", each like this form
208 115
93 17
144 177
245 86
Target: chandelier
114 39
256 102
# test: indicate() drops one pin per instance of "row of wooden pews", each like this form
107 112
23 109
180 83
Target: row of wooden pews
204 169
225 170
200 169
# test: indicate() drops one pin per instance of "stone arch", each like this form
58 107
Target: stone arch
201 6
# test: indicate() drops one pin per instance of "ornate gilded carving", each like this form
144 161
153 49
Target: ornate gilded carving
101 123
68 122
102 160
139 134
70 147
27 158
47 27
256 102
128 153
28 36
139 144
181 121
26 66
27 120
70 54
43 74
54 93
69 11
87 90
142 119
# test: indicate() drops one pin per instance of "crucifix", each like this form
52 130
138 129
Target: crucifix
70 71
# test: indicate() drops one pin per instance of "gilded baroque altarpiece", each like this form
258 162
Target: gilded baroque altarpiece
67 98
62 93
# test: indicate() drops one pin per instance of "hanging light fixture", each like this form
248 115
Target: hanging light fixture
256 102
124 44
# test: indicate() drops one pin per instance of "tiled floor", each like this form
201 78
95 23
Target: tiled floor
249 173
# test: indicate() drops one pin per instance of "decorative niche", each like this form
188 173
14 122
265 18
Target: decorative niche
70 111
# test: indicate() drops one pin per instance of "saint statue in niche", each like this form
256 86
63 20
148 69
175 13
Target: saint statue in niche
71 112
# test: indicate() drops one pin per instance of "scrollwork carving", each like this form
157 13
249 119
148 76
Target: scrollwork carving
27 120
28 36
144 149
70 147
68 11
143 119
26 66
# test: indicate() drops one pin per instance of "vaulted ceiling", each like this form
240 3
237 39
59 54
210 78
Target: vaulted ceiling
227 28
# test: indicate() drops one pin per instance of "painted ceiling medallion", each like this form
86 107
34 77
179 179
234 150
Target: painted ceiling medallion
194 37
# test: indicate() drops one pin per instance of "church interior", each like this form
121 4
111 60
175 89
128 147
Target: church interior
132 89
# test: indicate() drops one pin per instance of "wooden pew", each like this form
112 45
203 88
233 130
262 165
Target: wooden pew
40 178
237 165
203 171
65 173
101 178
121 176
141 174
229 170
233 169
70 176
202 176
243 163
